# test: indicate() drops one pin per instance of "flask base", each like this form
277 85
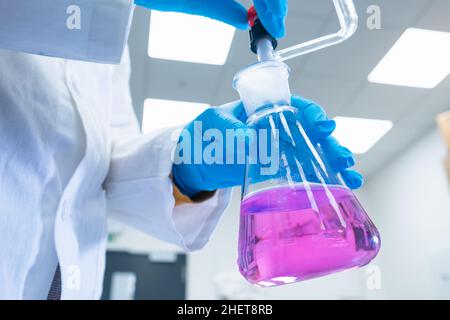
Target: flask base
295 233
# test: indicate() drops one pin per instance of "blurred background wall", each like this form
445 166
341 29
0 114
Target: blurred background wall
410 199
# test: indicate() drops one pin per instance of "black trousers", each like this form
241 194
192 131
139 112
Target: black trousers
55 289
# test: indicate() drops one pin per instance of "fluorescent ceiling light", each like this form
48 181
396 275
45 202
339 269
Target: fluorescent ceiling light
359 135
160 114
182 37
420 59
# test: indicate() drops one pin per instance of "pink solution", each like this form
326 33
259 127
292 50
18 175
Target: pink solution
299 232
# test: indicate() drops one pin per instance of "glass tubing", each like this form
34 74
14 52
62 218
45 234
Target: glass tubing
348 20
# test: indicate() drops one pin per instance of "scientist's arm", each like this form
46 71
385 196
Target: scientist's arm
139 188
90 30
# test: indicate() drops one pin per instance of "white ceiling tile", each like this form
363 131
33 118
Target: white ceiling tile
360 134
182 37
181 81
356 57
330 92
394 13
383 102
160 114
437 17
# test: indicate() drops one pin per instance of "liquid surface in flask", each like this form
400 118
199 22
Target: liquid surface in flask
302 231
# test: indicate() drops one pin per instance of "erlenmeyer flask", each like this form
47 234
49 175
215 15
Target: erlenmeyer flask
298 220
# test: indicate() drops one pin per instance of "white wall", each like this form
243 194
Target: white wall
409 201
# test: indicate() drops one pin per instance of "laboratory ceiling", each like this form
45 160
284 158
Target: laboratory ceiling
335 77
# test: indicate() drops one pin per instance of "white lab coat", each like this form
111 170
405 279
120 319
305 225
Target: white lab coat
89 30
72 156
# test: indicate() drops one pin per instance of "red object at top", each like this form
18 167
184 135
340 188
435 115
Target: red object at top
252 16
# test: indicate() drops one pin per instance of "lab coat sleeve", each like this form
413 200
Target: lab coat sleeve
89 30
139 190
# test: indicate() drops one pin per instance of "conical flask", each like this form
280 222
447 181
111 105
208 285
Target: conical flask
298 219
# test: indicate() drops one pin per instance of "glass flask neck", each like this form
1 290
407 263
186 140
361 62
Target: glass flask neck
263 85
265 111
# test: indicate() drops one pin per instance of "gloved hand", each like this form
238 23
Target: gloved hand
196 175
272 13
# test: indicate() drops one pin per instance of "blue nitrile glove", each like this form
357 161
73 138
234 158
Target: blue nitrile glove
272 13
193 177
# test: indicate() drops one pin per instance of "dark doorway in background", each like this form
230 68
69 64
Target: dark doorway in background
142 277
